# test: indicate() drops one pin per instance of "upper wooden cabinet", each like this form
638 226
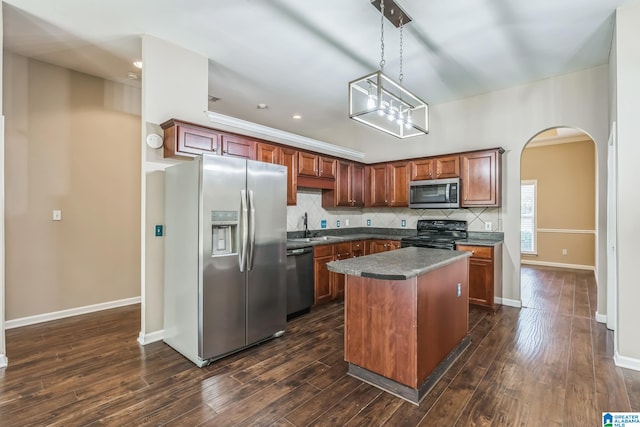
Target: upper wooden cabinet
388 184
435 168
348 188
480 178
189 140
398 188
267 153
289 158
283 156
316 166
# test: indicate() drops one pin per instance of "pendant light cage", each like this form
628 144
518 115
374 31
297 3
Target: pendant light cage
380 102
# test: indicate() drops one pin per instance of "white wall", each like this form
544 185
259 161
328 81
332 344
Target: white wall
174 85
626 107
509 118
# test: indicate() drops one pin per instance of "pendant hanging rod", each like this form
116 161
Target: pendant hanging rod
393 12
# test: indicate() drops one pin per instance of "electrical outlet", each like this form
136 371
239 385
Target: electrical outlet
346 222
323 223
57 215
564 252
338 223
488 226
368 223
403 223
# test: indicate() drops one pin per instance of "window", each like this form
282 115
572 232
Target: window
528 217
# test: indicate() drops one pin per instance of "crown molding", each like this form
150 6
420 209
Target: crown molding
277 135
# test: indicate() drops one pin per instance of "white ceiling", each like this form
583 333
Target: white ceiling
298 56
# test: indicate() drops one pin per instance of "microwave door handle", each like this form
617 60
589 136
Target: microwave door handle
447 192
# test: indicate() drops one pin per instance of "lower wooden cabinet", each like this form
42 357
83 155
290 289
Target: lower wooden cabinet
485 274
382 245
329 286
322 255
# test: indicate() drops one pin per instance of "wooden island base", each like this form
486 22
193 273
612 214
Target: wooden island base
411 395
402 334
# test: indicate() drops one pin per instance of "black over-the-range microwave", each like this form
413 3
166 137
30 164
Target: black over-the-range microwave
434 194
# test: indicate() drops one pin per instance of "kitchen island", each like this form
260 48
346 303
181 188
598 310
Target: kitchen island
406 317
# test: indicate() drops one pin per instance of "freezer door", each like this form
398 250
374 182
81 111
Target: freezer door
222 308
267 257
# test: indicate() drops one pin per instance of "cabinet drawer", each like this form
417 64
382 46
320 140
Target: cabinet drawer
477 251
322 250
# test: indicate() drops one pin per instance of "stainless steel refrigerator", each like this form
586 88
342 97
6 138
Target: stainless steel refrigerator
225 255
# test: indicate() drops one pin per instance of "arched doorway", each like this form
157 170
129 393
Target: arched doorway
558 222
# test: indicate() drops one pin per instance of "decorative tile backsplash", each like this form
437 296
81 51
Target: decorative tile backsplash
310 201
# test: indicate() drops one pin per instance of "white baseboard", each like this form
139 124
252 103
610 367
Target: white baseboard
3 361
145 339
558 264
47 317
601 318
508 302
626 362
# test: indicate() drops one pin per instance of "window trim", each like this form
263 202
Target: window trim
533 182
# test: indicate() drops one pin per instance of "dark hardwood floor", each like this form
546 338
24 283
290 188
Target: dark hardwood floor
547 364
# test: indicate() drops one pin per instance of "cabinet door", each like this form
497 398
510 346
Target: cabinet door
357 185
342 251
322 277
480 179
377 245
326 167
447 167
357 248
193 140
343 184
236 146
377 185
398 184
421 169
393 245
307 164
481 275
289 158
267 153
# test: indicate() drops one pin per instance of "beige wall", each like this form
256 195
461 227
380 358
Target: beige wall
72 143
565 175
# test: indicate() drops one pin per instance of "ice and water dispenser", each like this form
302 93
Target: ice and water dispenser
224 232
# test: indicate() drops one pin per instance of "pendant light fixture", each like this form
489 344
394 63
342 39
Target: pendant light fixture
380 102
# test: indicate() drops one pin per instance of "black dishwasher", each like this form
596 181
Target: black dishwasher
299 281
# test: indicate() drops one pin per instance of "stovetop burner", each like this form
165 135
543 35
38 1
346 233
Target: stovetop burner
437 234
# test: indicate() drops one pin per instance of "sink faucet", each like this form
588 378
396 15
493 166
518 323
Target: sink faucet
306 226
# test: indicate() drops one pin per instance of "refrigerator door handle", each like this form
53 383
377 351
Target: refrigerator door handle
252 231
242 253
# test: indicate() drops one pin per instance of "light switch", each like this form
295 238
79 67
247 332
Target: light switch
57 215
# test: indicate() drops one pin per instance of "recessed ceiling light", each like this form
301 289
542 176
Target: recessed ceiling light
137 64
262 106
296 116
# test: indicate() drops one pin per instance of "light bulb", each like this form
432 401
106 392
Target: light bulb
400 119
382 108
391 115
371 100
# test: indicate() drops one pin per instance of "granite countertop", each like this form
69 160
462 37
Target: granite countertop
295 239
400 264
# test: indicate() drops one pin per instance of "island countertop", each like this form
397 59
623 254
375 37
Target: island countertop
399 264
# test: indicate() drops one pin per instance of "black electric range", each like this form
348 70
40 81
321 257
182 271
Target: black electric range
437 233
